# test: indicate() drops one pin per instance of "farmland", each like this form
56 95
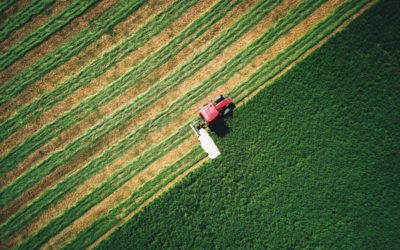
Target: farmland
95 125
317 166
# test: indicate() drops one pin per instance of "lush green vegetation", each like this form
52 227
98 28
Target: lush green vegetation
22 16
316 166
104 23
39 35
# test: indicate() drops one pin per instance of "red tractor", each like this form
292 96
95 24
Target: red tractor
221 107
209 113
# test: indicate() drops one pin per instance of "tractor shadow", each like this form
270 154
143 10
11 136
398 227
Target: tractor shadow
219 126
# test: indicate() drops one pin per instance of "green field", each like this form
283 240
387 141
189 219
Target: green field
96 98
310 162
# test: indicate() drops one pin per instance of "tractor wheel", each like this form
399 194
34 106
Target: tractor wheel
218 99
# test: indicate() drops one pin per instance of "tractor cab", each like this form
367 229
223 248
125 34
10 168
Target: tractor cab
209 113
220 107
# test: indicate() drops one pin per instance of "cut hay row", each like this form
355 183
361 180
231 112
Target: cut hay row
95 69
22 17
34 23
265 74
41 34
153 61
179 106
79 61
74 45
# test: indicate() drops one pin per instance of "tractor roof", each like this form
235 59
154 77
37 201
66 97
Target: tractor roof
209 112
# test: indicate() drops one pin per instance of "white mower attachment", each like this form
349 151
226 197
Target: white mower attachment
206 142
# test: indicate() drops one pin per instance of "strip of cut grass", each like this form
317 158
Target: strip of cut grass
5 4
103 24
125 173
106 94
22 17
95 69
42 33
316 166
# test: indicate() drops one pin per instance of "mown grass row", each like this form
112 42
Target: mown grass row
183 39
5 4
100 161
267 72
95 69
106 189
104 23
22 17
42 33
136 199
125 173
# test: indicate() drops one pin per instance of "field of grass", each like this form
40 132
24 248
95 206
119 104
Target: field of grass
317 162
80 157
